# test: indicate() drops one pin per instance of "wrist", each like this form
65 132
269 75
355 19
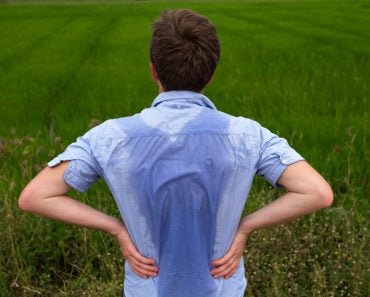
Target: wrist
116 228
245 227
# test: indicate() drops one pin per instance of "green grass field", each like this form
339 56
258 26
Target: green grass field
300 68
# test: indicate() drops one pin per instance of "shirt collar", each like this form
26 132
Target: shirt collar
187 96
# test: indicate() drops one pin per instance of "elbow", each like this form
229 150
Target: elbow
325 196
26 200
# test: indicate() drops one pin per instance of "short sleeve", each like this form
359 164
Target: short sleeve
83 169
275 155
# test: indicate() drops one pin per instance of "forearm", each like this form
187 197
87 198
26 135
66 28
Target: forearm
46 195
307 192
286 208
71 211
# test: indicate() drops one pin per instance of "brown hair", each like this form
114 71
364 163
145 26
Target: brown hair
184 50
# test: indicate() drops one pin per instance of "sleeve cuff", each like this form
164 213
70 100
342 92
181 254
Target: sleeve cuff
70 177
277 171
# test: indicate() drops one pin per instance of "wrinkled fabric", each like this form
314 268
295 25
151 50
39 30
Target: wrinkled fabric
180 173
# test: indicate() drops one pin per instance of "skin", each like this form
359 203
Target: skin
46 195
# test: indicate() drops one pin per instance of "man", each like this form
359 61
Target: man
180 173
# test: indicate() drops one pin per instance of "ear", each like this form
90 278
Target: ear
153 72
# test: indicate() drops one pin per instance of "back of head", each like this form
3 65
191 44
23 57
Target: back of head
184 50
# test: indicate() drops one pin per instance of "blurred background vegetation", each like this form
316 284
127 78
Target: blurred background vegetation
300 68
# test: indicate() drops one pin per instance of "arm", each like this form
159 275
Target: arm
307 191
46 195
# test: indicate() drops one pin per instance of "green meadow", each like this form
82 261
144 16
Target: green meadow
300 68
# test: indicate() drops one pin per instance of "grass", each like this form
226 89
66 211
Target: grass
300 68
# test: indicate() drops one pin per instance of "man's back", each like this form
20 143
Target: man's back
180 173
177 165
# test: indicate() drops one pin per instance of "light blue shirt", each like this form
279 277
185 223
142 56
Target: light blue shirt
180 173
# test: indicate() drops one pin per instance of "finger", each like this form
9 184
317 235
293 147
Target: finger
144 272
233 270
224 268
142 259
231 273
228 271
147 267
220 269
135 254
138 273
